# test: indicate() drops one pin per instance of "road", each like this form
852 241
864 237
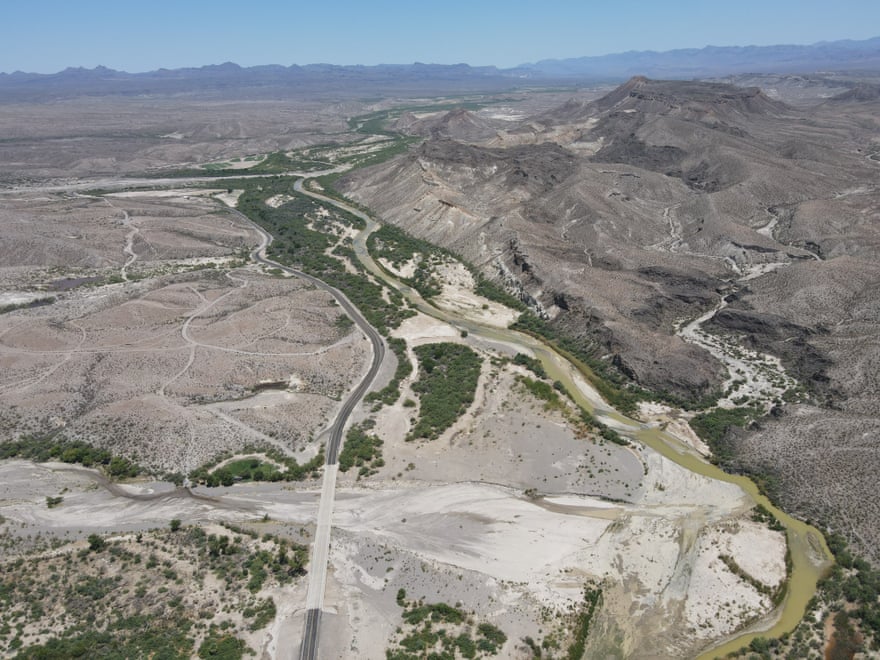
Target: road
321 544
75 185
335 439
805 542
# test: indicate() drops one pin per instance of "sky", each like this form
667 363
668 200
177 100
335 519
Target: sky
45 36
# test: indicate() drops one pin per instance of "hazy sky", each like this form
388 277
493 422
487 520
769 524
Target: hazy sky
138 35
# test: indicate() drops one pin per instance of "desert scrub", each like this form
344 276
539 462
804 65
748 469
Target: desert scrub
41 450
615 387
144 596
39 302
448 375
531 364
398 247
253 469
220 645
439 630
761 514
583 421
712 427
301 240
850 597
543 391
391 392
494 292
583 620
362 450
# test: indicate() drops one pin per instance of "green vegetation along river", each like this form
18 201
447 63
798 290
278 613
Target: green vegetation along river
809 554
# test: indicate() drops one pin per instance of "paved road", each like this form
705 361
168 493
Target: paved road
321 544
335 440
73 185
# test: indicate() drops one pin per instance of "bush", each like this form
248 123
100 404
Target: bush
712 426
68 451
218 646
96 543
360 449
446 386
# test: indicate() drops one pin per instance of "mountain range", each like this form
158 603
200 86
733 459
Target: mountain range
274 80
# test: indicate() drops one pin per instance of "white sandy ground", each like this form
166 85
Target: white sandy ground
229 198
179 192
664 546
505 114
362 148
758 552
458 297
18 297
528 552
421 329
509 549
751 375
238 163
514 549
277 200
405 270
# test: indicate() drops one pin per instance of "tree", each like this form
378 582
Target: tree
175 524
96 543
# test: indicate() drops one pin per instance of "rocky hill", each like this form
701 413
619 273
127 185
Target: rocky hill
458 124
633 233
621 218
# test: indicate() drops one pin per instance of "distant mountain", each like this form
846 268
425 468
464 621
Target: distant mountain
229 80
860 92
715 61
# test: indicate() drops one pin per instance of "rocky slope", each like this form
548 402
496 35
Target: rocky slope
620 217
458 124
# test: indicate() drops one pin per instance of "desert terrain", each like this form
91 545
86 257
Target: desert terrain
681 233
627 222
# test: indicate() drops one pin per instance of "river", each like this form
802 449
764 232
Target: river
809 554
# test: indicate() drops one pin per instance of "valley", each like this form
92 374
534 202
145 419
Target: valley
610 268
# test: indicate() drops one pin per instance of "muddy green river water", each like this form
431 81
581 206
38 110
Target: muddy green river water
809 554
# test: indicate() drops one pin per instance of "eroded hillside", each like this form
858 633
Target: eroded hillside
622 218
